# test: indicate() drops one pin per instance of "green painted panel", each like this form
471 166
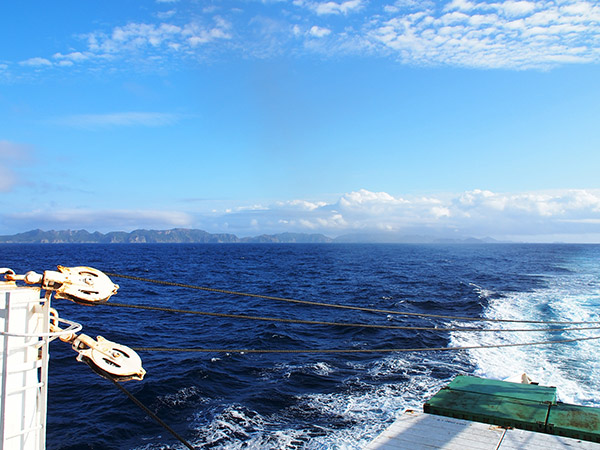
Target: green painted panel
496 410
579 422
506 404
531 392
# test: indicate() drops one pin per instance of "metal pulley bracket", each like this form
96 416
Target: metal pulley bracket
109 359
83 285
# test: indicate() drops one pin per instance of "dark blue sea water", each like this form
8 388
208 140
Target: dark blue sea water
307 401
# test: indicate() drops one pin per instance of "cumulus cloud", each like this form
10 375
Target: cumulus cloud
570 215
336 8
301 205
477 213
122 119
319 31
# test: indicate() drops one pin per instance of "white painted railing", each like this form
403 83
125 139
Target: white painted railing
24 338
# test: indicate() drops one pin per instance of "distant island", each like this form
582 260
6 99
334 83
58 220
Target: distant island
193 236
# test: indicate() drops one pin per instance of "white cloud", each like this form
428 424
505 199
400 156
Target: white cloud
319 31
533 216
123 119
301 205
166 14
73 56
36 62
516 34
502 34
539 205
196 34
367 199
516 8
337 8
331 7
477 213
156 38
463 5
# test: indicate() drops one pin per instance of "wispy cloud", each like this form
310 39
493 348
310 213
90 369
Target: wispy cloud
148 37
122 119
71 58
35 62
516 34
137 41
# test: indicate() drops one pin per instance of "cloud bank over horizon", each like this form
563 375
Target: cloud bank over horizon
566 215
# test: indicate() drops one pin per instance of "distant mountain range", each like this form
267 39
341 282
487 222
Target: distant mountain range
192 236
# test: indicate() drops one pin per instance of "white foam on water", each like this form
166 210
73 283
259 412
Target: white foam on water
380 391
286 370
573 368
359 410
180 397
370 412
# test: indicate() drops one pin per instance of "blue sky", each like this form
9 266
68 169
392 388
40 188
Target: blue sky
451 118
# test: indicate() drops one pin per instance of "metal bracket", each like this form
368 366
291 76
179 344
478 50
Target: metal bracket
83 285
106 358
109 359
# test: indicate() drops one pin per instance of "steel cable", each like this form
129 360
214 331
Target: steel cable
151 414
343 324
348 307
361 350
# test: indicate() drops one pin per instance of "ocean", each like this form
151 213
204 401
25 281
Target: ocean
223 400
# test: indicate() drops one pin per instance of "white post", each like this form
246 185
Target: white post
23 367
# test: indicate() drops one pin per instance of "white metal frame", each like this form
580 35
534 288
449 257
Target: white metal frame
24 338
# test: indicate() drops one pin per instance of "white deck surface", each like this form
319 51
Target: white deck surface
419 431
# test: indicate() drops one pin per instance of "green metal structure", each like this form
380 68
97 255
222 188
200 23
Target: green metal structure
515 405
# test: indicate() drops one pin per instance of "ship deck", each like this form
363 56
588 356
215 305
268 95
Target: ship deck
420 431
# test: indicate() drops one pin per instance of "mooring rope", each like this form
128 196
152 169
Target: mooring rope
344 324
361 350
349 307
151 414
